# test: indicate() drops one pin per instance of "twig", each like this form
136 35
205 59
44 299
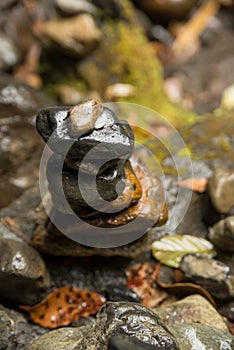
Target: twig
10 224
195 26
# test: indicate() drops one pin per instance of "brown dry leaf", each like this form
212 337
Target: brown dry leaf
141 279
197 185
63 306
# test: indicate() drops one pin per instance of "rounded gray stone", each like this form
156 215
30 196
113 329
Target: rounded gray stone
23 275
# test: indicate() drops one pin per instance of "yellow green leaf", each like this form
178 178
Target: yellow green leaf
169 250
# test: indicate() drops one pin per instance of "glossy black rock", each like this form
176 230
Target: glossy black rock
115 139
79 188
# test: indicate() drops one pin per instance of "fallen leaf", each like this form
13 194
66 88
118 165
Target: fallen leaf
63 306
197 185
141 279
169 250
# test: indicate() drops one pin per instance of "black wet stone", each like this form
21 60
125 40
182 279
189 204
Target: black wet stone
227 310
107 185
133 319
115 138
121 293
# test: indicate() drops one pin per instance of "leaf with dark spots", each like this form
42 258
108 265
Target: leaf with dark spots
63 306
142 280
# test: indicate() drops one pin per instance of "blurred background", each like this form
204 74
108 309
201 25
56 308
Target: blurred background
173 56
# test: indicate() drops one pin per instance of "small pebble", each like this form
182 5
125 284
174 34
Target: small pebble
227 101
72 7
83 117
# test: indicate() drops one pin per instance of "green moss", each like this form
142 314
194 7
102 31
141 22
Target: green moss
125 56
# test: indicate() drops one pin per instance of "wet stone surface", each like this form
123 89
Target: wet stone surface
192 309
222 234
166 10
19 143
227 310
113 319
115 137
16 332
76 36
114 197
22 269
213 275
198 336
128 326
221 190
72 7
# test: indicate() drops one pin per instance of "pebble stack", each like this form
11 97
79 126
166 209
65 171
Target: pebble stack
92 147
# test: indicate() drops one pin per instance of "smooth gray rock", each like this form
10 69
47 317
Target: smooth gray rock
192 309
201 337
72 7
15 330
5 330
212 274
222 234
75 36
7 234
9 55
20 145
23 275
221 190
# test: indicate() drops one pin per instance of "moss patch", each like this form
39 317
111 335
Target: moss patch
125 56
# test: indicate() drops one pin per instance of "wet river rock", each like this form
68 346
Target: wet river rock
73 7
221 190
192 309
167 9
105 183
130 326
20 145
123 191
76 36
114 139
130 319
222 234
23 275
212 274
16 332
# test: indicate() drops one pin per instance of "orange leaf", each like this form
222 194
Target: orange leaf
197 185
63 306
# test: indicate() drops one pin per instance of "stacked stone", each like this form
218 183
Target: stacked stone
92 145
